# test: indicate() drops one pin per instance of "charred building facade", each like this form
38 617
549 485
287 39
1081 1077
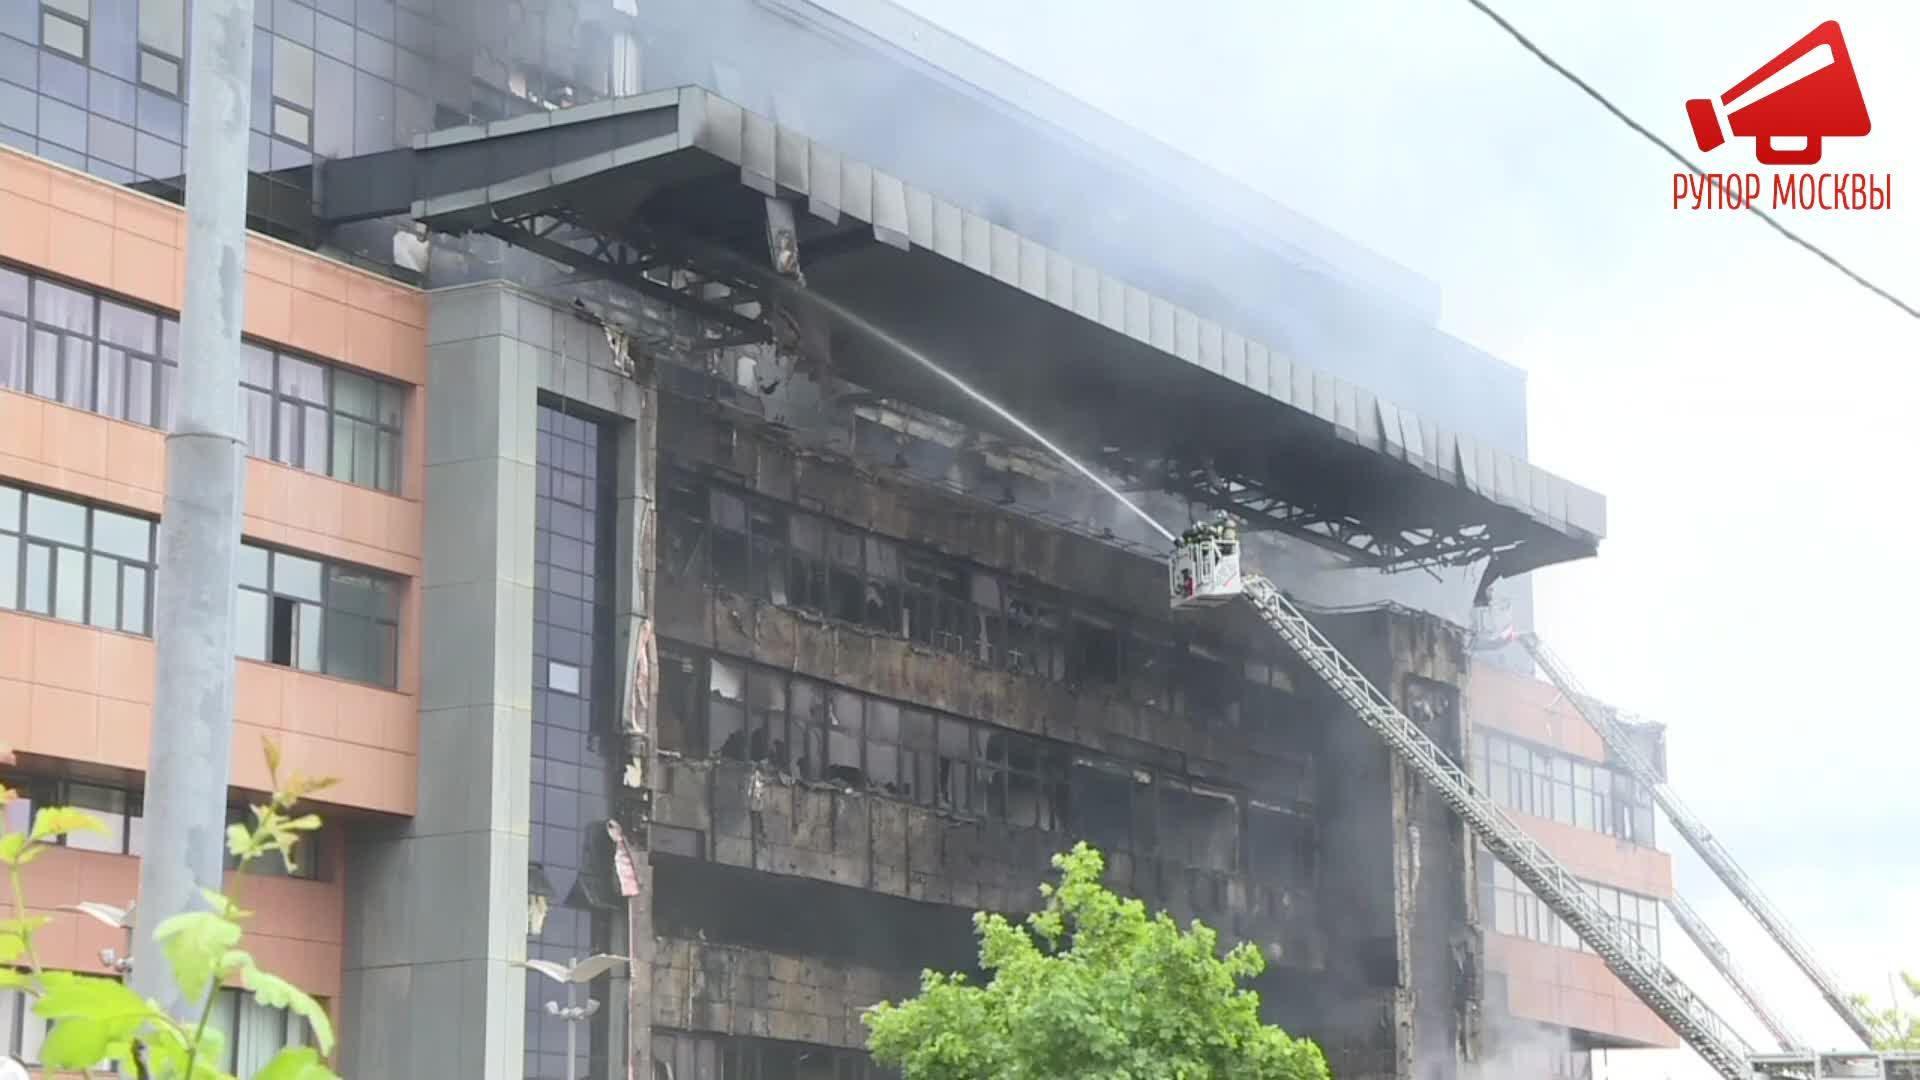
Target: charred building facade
655 601
880 702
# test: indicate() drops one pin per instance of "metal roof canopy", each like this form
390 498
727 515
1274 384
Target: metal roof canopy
675 180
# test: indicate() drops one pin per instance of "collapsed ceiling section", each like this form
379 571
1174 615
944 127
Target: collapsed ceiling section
673 194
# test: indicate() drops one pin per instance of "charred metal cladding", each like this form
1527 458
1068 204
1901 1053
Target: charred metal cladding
882 703
969 771
682 1055
702 986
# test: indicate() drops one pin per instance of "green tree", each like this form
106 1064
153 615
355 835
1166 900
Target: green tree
1091 989
1897 1026
97 1023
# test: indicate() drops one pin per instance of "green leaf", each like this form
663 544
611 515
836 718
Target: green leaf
296 1063
240 840
11 846
224 906
53 821
17 934
303 823
166 1057
276 992
77 1042
194 943
15 979
91 1017
69 995
213 1050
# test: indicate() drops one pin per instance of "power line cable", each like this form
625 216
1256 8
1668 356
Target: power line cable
1543 57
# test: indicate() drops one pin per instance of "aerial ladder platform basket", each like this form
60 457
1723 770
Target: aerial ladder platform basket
1204 570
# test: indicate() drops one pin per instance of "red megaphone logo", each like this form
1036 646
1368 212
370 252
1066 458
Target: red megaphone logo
1807 92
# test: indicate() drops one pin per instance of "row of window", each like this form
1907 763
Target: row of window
253 1032
123 813
1516 911
66 26
790 558
714 706
336 81
1548 784
85 564
84 350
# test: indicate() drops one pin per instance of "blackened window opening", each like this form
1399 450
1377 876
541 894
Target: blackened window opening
746 543
715 706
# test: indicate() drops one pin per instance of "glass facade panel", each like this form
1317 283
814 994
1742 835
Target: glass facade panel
160 72
292 72
291 124
573 768
163 26
63 34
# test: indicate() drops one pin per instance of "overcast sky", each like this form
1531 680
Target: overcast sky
1749 414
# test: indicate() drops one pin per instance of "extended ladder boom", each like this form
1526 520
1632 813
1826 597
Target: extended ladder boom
1638 967
1717 954
1623 749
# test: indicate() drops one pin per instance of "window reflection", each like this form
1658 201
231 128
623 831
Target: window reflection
109 806
311 615
63 558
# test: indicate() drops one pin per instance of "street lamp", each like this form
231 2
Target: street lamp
573 973
119 919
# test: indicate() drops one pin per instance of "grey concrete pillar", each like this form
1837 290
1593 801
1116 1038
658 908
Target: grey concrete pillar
437 908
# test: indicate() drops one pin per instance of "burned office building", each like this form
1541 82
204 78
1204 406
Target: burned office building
828 658
717 632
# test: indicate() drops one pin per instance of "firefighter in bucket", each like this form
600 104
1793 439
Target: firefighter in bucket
1206 562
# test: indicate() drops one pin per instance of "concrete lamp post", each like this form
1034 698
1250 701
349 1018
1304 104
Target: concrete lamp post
119 919
574 973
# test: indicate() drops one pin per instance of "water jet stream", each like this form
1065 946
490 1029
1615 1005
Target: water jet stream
840 312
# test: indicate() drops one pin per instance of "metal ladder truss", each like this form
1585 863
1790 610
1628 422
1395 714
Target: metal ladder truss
1834 1065
1621 745
1717 954
1637 966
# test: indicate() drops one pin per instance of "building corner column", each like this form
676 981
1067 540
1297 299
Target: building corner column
437 905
